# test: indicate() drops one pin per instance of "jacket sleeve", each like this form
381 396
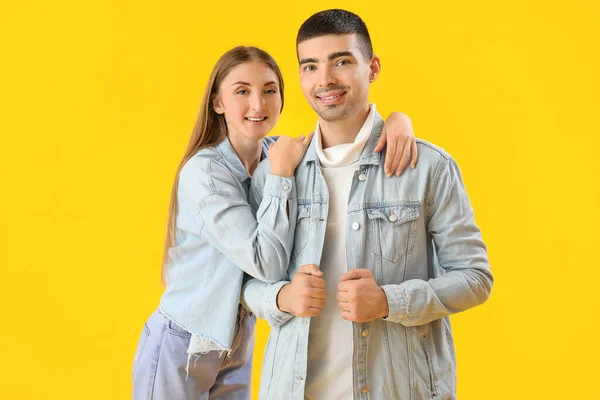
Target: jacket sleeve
260 245
259 297
467 281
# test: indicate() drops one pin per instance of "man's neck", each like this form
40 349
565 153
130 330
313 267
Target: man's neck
343 131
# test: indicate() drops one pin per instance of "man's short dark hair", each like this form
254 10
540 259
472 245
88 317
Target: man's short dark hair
336 22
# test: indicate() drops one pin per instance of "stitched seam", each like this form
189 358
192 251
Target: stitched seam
431 199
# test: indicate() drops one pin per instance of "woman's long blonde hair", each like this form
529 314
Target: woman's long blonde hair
210 128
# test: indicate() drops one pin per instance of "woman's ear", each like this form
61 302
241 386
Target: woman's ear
217 104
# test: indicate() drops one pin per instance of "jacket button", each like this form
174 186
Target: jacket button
355 226
393 218
365 332
362 177
286 187
365 389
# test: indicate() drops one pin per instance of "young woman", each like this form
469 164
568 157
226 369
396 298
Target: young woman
198 343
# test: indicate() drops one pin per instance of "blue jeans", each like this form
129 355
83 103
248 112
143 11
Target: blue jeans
159 367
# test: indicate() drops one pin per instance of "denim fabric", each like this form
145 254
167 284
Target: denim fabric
218 238
418 236
159 370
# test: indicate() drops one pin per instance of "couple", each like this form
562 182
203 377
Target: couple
354 261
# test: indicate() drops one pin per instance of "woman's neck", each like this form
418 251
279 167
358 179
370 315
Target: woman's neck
248 151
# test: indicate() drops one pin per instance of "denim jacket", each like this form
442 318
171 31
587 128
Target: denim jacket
417 235
218 238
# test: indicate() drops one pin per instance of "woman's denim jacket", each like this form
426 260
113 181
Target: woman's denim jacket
218 238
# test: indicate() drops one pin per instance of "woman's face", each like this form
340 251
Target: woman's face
250 100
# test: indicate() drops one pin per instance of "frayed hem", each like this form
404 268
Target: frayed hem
199 346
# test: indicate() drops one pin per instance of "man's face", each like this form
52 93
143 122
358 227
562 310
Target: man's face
335 76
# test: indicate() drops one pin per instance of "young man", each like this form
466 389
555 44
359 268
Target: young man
378 264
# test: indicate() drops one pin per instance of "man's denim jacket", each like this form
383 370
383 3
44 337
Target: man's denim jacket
417 235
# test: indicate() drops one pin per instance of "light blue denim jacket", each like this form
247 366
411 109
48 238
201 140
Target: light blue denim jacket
417 235
218 238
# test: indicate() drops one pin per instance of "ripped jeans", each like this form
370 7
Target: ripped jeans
159 366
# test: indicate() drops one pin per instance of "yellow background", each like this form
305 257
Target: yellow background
97 100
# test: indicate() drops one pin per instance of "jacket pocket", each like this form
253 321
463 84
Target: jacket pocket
424 377
429 367
301 233
392 229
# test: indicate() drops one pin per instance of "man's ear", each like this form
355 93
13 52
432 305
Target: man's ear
375 66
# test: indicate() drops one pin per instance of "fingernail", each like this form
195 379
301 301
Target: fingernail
397 173
387 171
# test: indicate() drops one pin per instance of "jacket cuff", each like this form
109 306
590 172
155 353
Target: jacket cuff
397 303
275 317
280 187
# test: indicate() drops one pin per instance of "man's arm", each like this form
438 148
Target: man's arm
460 251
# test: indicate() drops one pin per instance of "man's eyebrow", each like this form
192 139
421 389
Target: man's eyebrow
338 54
332 56
308 60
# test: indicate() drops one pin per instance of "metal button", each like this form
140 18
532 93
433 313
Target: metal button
365 389
365 332
393 218
286 187
355 226
362 177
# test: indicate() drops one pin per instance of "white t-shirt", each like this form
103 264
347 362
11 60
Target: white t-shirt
330 343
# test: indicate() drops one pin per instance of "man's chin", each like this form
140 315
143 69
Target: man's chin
331 113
